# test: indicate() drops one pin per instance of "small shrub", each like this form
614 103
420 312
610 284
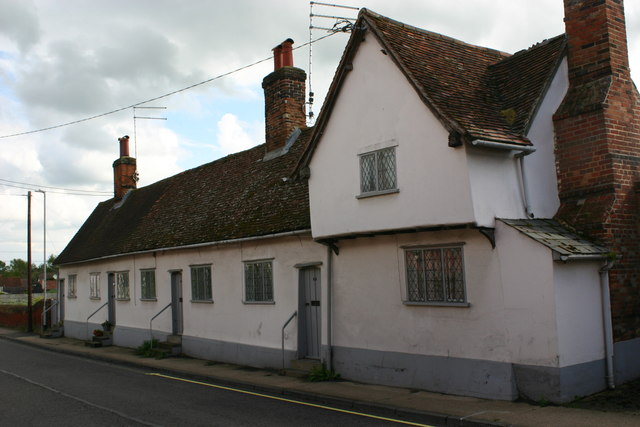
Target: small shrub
98 333
321 373
150 349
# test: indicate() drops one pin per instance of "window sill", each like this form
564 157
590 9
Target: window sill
148 299
438 304
95 298
202 301
259 302
72 297
123 299
377 193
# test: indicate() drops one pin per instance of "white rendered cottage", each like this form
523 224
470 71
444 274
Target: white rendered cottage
432 174
451 223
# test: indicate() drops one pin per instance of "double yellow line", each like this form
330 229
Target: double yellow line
297 402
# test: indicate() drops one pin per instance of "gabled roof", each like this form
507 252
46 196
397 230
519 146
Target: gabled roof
564 242
238 196
475 92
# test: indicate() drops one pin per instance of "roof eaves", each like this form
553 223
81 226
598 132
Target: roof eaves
552 72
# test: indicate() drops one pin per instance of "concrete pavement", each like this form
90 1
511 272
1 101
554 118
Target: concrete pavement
390 401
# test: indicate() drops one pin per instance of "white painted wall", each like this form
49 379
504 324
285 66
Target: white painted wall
579 307
527 274
227 318
495 185
377 106
540 167
512 314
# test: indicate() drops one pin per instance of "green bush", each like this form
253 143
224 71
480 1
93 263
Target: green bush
150 349
321 373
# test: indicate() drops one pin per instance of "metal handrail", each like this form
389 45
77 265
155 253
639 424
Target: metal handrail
91 315
44 313
151 321
295 313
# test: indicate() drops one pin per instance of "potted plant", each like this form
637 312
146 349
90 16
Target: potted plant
106 326
98 333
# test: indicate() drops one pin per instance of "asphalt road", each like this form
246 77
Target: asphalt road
44 388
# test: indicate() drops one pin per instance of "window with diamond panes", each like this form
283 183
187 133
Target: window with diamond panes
435 275
378 170
122 285
201 283
148 284
258 281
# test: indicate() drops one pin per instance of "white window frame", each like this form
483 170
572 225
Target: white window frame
445 287
94 285
201 292
148 296
262 282
378 187
72 286
121 280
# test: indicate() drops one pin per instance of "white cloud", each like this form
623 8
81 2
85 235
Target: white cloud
234 135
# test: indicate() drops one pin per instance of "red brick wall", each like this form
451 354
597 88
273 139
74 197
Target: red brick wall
284 103
598 148
124 170
17 316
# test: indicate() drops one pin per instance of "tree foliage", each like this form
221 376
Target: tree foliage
18 268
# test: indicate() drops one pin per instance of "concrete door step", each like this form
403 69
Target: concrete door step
170 349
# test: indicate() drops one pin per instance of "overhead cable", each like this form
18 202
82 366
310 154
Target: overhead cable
157 97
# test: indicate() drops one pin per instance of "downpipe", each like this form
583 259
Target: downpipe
608 327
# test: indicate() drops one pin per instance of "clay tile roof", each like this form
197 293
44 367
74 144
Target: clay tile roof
487 93
475 92
238 196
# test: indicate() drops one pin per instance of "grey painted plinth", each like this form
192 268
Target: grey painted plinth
478 378
470 377
626 360
236 353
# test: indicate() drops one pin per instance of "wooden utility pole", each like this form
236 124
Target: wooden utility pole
29 302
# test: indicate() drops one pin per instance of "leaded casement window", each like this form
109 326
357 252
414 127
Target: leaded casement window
148 284
94 286
72 286
435 275
258 281
378 171
201 283
122 285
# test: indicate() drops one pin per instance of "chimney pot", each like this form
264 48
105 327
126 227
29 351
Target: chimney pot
277 57
287 53
124 146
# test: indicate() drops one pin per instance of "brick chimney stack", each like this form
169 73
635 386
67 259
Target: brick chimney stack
125 177
597 131
284 96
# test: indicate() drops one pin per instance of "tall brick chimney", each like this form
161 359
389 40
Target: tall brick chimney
125 177
284 97
597 131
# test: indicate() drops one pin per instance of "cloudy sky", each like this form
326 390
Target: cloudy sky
68 60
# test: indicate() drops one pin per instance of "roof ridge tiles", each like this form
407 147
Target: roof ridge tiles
369 12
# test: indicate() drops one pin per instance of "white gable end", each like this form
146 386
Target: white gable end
378 109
